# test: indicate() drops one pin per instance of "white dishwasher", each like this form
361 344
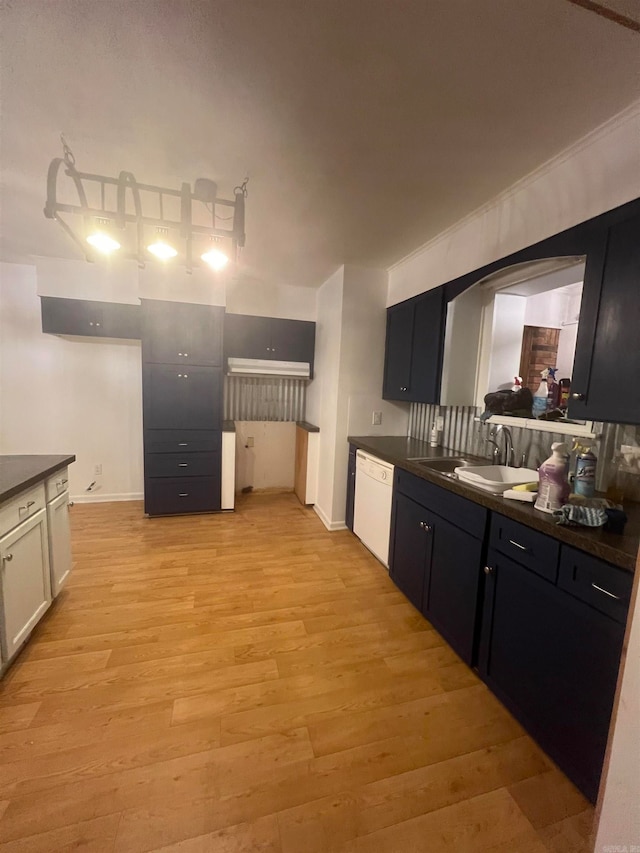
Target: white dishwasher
372 509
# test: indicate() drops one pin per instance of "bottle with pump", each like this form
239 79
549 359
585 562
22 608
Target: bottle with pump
553 390
553 488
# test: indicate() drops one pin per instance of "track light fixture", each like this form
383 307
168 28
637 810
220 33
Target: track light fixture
120 214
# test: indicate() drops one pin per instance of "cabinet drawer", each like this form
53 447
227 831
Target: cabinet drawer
181 464
454 508
182 441
20 508
57 484
175 495
536 551
599 584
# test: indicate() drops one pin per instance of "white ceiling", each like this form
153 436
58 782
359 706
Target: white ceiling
366 126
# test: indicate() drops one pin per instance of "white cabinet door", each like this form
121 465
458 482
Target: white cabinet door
24 580
59 541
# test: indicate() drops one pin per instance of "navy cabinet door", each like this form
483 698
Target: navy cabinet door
292 340
452 580
427 347
411 544
607 360
181 398
351 488
181 333
553 661
397 366
246 336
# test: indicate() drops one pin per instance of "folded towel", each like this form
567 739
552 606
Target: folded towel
582 516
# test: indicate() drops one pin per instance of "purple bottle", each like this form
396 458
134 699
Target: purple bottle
553 488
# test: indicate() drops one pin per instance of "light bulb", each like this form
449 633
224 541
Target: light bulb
101 239
103 242
163 251
216 259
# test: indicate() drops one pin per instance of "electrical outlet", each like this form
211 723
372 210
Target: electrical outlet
97 469
250 441
440 423
376 418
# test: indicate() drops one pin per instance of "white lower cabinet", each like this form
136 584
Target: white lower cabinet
59 541
25 583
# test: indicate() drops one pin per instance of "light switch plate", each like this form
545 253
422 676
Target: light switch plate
376 419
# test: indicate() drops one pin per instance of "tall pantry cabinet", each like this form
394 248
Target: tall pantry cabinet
182 399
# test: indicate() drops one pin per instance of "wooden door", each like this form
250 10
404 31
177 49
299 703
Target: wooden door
539 350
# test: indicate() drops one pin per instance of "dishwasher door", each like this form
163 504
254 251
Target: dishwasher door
372 510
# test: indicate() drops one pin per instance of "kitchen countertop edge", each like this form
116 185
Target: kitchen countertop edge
617 549
27 470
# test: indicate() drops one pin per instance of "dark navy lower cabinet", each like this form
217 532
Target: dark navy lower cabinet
553 660
436 563
351 488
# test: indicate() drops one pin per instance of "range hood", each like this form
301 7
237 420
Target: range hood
268 367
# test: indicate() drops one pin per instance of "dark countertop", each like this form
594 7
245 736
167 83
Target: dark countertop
619 549
19 472
307 426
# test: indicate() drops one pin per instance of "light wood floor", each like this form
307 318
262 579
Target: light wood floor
250 682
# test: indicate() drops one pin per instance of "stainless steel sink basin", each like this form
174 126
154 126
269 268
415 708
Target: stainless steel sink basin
444 466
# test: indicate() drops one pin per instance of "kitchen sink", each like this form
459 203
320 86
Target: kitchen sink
496 478
444 466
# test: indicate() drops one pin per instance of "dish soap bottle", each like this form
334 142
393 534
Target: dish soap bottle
553 489
540 397
553 390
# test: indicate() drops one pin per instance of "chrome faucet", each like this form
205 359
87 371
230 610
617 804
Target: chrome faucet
506 458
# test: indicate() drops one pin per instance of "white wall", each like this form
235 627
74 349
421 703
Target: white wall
350 337
270 463
322 395
599 172
268 300
67 396
509 313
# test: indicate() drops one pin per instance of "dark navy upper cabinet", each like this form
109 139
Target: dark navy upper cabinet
413 348
397 365
88 318
270 338
607 360
181 333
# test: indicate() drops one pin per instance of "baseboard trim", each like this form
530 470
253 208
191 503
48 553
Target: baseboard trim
100 498
330 525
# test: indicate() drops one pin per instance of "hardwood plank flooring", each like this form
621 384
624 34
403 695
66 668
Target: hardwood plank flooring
251 682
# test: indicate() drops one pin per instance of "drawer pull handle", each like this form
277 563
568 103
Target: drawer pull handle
64 482
27 507
518 545
183 495
183 444
183 464
606 591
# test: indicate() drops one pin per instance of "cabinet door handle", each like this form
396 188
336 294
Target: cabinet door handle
8 558
426 526
518 545
578 396
488 570
183 464
183 444
606 592
180 353
186 355
64 482
183 495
